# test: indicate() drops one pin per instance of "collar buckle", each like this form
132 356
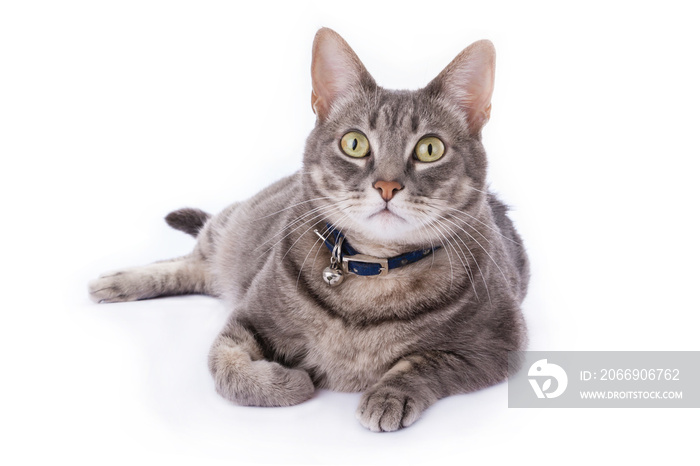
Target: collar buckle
383 263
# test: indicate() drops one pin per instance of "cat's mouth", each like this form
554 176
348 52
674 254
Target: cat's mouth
387 214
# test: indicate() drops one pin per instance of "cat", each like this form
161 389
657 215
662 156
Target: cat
383 266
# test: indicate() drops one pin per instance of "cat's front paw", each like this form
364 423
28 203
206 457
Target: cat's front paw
115 287
105 290
256 383
386 409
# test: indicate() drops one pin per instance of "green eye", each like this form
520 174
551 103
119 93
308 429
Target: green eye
355 144
429 149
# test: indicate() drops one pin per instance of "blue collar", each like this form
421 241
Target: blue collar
364 265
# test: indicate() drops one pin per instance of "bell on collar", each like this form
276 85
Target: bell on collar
333 276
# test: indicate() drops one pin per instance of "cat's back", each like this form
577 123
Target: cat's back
512 242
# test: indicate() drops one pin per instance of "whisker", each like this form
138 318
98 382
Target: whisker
296 220
320 248
327 232
484 224
292 206
329 229
302 216
430 240
325 212
483 278
302 235
447 251
338 227
467 267
478 190
482 247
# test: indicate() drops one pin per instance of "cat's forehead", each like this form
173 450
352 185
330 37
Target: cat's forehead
385 111
393 110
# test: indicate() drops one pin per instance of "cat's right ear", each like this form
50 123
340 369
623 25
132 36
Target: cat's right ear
335 71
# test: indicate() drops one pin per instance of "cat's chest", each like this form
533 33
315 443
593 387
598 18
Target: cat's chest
348 358
355 332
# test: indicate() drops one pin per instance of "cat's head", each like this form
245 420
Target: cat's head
392 166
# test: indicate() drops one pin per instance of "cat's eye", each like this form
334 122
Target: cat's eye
355 144
429 149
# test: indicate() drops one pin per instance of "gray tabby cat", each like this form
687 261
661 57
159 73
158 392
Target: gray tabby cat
397 175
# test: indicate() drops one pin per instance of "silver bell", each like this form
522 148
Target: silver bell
333 276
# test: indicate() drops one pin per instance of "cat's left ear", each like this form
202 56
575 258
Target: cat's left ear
335 71
468 82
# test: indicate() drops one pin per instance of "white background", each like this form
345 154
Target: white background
114 113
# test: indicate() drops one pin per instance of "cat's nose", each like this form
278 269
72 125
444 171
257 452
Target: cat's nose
388 188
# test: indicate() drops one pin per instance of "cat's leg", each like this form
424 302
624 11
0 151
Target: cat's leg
184 275
417 381
242 375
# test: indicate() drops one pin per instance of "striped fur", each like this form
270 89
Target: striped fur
435 328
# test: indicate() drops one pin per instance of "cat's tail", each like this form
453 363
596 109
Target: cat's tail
189 220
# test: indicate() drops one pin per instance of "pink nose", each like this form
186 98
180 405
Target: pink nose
388 188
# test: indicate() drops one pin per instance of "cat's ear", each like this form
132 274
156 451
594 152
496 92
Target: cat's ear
335 71
468 82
